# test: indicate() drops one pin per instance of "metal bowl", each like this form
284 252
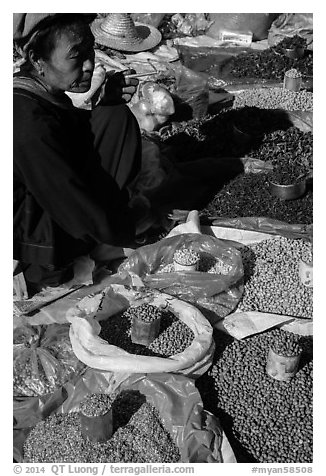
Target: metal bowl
294 53
288 192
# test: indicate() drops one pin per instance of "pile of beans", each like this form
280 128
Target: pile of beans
265 420
207 264
139 437
271 278
269 64
285 344
248 196
174 336
275 98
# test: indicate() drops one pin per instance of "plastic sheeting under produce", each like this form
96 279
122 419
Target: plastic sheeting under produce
196 432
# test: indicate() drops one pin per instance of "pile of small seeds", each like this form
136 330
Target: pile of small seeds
271 278
96 404
265 420
145 312
293 73
238 198
174 336
275 98
207 264
186 256
139 437
286 344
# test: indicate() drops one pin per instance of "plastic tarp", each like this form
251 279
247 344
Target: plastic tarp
196 432
219 293
97 353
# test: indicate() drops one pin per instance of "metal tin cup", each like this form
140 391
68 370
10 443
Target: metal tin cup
97 429
292 84
144 333
306 273
281 367
288 192
185 267
295 52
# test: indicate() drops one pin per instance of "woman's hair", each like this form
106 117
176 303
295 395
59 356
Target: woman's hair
43 40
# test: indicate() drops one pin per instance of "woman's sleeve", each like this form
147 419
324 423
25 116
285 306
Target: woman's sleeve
84 205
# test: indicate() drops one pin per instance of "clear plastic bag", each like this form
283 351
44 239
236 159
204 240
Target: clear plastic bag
219 293
256 23
196 432
192 90
43 359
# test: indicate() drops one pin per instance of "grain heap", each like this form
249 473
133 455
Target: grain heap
174 336
139 437
275 98
272 282
267 420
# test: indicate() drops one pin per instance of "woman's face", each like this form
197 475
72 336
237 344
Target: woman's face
71 63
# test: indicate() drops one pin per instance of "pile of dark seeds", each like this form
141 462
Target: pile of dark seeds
289 42
139 437
269 64
174 336
266 420
238 198
292 145
271 278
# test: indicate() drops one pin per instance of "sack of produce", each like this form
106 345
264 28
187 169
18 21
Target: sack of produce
153 19
117 331
155 419
43 359
256 23
216 284
289 25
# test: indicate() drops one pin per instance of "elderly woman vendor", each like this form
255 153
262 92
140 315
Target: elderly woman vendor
72 167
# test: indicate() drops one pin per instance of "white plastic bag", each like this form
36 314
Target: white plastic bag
97 353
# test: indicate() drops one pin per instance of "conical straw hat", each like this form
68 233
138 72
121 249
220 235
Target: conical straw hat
119 32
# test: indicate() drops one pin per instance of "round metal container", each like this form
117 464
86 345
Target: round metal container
144 333
294 53
288 192
281 367
97 429
292 84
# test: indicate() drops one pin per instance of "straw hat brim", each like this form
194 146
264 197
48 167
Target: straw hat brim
148 34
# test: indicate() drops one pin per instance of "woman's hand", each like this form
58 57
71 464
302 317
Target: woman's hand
119 88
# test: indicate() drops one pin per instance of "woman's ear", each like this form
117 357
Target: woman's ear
36 62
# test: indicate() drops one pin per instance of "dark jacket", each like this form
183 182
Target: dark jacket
64 201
